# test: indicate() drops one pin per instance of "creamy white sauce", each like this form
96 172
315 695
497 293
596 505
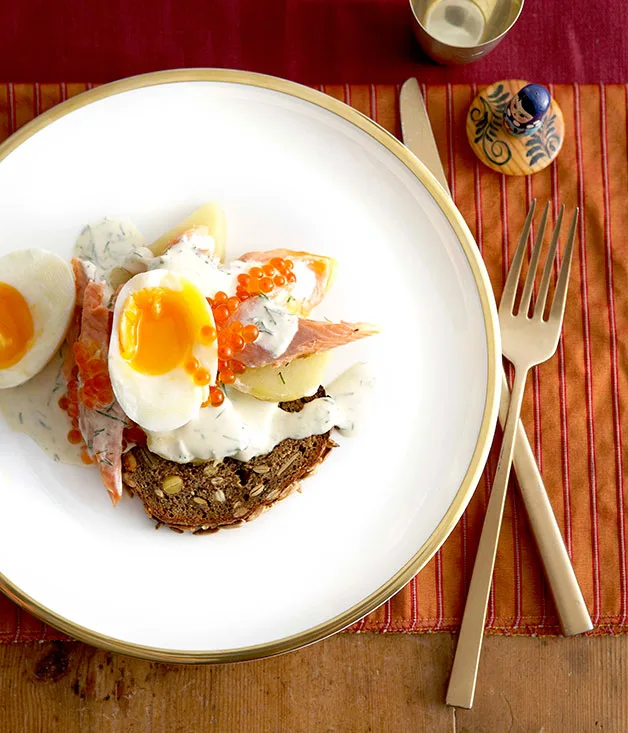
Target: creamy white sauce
108 244
33 409
276 326
192 258
244 427
305 281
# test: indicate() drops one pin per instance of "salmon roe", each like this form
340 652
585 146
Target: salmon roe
233 337
202 377
208 334
96 390
216 396
86 458
74 436
264 279
191 365
250 333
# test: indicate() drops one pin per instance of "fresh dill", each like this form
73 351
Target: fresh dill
111 417
261 327
270 315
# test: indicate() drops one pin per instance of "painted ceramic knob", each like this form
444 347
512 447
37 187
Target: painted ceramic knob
515 127
526 109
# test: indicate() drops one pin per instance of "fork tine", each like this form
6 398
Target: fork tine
560 295
547 270
510 287
534 261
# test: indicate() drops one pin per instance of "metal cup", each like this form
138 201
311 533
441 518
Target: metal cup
461 31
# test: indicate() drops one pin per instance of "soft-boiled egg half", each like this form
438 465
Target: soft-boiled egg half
163 354
37 297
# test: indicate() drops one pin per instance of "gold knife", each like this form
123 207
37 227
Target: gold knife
416 130
572 610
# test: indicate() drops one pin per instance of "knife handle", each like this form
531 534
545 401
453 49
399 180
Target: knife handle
572 610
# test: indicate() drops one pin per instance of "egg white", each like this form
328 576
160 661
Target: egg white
47 284
165 401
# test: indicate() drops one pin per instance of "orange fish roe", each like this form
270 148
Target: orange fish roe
266 285
227 376
216 397
74 436
86 458
69 403
233 304
90 371
202 377
208 334
191 365
274 274
250 333
221 314
96 390
233 337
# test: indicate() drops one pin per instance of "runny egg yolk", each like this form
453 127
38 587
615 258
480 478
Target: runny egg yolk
16 326
160 326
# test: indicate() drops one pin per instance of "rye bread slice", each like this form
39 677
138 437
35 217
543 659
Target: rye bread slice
205 497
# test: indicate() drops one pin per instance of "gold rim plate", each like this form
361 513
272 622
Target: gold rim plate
467 487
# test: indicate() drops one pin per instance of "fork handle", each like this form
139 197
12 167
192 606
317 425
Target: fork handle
461 688
568 599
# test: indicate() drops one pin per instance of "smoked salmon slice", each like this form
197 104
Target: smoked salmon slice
101 419
311 337
102 430
80 283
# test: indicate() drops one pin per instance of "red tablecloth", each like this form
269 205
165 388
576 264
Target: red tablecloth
370 41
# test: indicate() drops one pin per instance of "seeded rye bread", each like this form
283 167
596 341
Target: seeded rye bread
205 497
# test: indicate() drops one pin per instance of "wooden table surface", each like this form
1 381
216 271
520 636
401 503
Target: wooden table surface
350 683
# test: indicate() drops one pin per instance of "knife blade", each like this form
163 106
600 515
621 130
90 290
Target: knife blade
417 132
572 611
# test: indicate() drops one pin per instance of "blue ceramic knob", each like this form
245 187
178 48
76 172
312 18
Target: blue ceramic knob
526 109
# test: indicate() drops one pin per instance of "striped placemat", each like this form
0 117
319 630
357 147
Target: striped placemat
573 406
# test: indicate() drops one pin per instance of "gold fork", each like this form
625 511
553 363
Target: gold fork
527 340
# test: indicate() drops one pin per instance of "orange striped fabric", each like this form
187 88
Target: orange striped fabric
573 405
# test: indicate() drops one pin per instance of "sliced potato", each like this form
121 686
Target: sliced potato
119 276
210 215
297 379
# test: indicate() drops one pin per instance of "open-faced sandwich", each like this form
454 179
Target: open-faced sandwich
193 382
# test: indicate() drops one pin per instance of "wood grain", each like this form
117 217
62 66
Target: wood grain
348 683
493 148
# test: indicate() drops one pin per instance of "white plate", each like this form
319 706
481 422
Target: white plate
292 168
